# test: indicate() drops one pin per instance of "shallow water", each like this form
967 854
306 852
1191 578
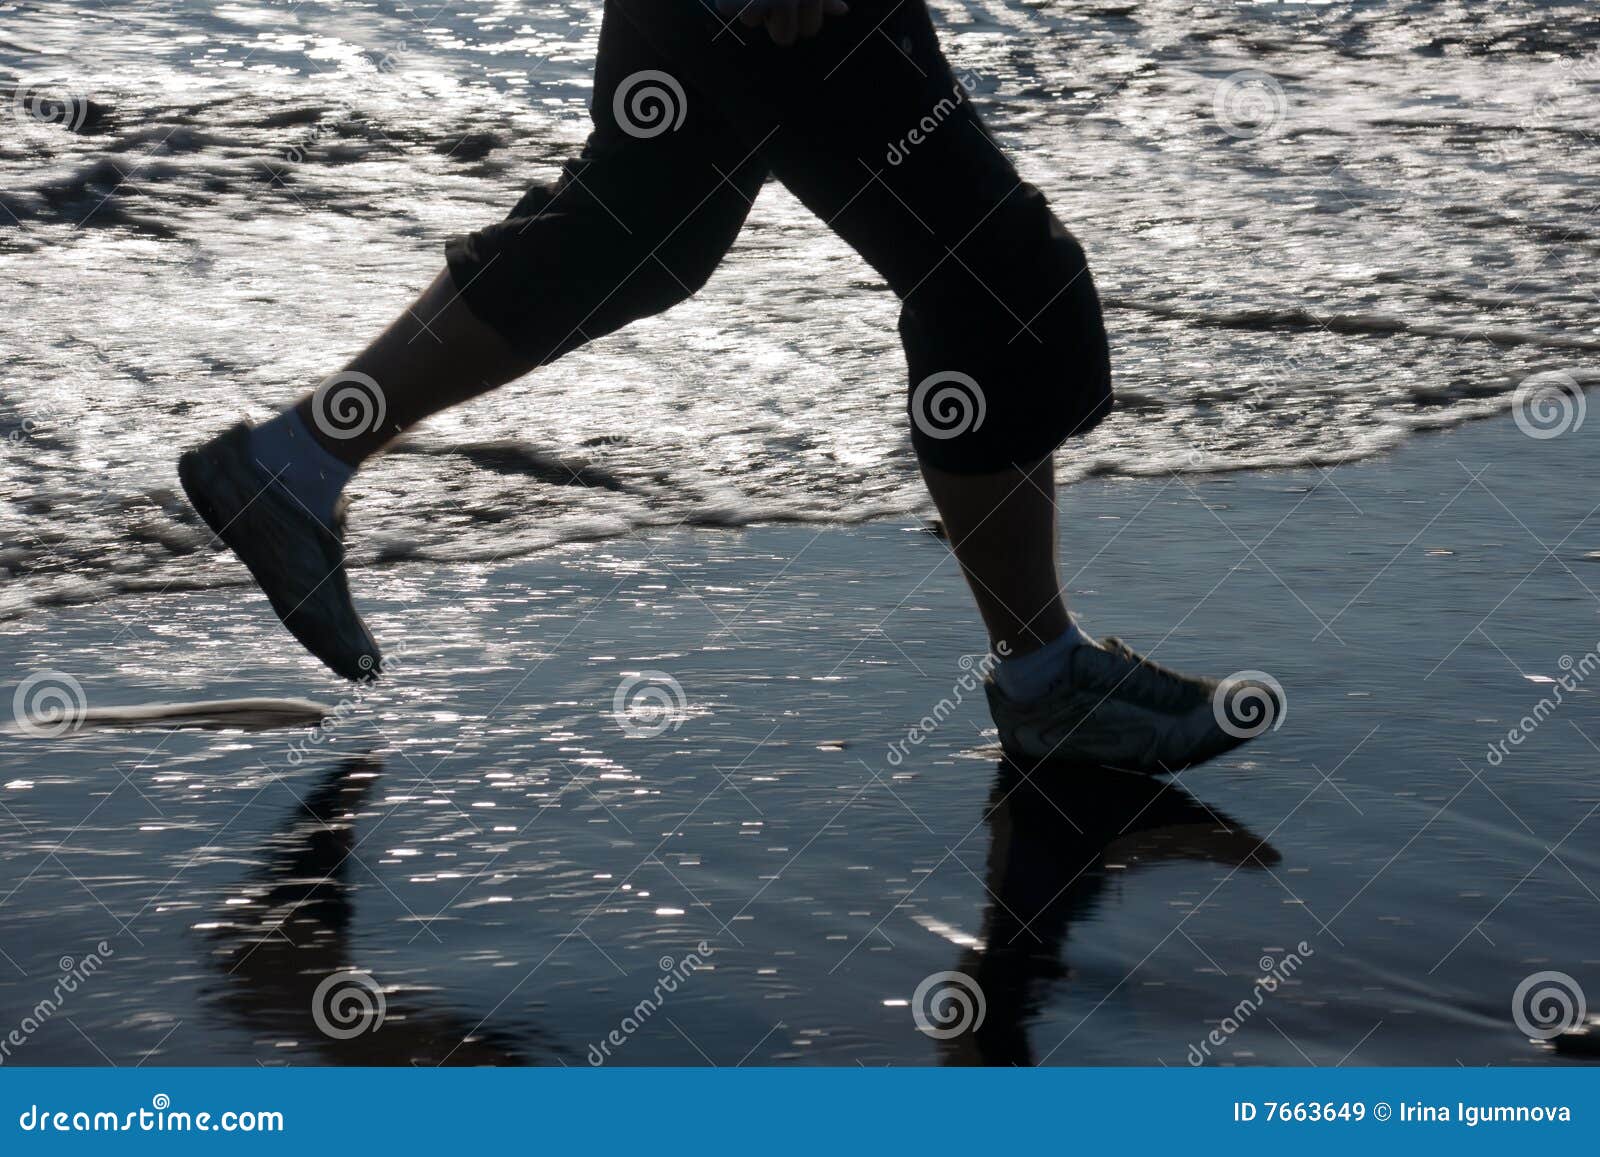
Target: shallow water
1384 227
518 872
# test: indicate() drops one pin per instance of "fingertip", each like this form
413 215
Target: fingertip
783 26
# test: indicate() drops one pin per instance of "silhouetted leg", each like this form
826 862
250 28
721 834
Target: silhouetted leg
635 224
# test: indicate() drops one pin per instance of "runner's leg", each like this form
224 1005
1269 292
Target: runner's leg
870 128
634 225
997 524
1008 357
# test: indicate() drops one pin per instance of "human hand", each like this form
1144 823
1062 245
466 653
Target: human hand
786 21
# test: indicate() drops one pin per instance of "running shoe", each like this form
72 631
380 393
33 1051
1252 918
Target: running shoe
296 559
1116 708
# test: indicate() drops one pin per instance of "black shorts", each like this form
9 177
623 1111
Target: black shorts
868 126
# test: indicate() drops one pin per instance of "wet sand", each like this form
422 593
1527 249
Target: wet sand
519 874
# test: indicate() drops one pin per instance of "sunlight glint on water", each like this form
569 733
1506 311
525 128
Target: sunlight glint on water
260 187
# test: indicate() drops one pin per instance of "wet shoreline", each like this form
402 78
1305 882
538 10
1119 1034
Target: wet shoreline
511 861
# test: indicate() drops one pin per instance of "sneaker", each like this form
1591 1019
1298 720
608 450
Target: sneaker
1118 709
296 559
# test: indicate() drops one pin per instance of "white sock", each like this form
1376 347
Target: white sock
1030 676
286 448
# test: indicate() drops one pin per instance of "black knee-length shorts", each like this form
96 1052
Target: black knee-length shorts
869 127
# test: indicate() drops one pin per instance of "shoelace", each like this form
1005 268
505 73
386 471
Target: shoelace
1145 677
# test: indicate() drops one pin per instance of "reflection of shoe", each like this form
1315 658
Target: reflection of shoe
1209 843
298 561
1134 819
1119 709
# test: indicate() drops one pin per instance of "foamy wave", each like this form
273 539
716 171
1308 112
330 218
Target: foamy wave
1368 323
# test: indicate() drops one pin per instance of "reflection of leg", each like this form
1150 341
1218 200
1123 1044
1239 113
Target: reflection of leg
1049 840
273 967
302 901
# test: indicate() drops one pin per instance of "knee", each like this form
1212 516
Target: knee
687 267
1003 369
638 284
566 268
669 259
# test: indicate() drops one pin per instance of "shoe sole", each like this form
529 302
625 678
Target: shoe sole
1221 743
1065 761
